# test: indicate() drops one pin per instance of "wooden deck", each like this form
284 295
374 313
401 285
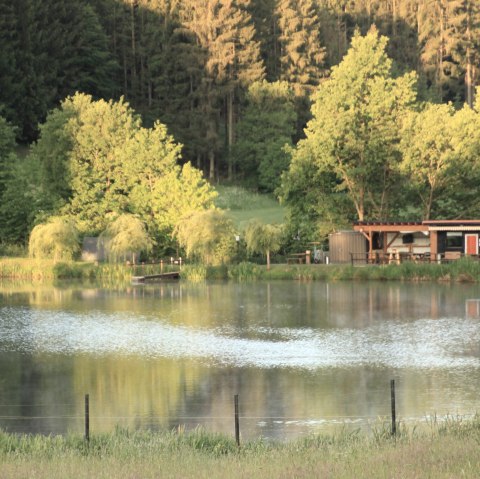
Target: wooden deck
156 277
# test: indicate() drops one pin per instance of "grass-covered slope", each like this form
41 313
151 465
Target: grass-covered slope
243 206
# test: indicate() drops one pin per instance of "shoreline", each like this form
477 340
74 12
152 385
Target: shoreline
462 271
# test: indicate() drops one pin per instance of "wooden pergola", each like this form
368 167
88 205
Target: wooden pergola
369 228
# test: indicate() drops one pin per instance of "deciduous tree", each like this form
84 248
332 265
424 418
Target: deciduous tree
354 131
267 126
57 239
263 238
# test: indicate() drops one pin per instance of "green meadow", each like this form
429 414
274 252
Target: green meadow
243 205
444 450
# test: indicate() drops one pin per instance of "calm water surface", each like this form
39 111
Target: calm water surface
303 357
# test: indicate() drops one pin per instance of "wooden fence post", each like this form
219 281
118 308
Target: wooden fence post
237 422
87 418
394 413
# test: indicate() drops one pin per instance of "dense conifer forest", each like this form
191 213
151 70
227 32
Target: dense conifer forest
246 87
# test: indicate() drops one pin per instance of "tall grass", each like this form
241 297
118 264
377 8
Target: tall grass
194 272
443 450
463 270
245 271
13 250
238 198
244 205
111 273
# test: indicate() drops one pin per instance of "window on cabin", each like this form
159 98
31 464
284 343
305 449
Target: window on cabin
454 241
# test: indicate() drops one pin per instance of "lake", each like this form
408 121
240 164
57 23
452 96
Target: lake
304 357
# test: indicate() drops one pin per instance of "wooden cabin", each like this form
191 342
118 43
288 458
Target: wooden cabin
432 240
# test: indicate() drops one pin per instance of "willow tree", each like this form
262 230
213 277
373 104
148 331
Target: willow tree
208 236
126 236
57 239
263 238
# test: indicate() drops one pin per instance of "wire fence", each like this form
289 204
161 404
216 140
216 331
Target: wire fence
91 420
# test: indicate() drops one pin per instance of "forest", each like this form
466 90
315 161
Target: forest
343 109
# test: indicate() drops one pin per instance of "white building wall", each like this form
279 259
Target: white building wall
420 245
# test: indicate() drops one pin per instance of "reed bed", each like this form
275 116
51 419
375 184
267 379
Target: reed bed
33 269
463 270
443 450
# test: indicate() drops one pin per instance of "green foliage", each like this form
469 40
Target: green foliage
263 238
18 188
58 239
428 157
230 58
67 271
98 131
314 203
110 165
13 250
126 236
349 156
440 159
15 268
55 47
302 55
237 198
245 271
24 201
208 236
194 272
268 124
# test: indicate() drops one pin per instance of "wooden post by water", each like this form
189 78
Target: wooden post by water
394 413
87 418
237 422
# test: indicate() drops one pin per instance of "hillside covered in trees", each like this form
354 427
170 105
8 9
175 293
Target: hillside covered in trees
363 123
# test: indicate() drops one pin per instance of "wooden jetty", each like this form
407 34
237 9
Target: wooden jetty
156 277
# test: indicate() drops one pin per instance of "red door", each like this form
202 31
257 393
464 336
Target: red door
471 244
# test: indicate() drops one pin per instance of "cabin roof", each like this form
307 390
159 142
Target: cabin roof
430 225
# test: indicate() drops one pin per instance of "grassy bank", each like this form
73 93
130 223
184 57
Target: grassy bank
445 451
40 270
464 270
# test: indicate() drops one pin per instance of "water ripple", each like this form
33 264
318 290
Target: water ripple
424 343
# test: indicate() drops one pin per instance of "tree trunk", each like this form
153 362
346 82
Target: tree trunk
268 260
230 134
133 65
468 72
394 18
469 81
211 157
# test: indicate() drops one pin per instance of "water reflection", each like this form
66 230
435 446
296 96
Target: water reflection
302 356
